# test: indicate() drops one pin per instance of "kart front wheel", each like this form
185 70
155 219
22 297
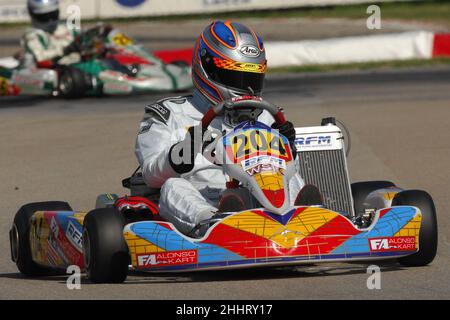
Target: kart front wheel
19 236
360 191
106 254
428 235
73 83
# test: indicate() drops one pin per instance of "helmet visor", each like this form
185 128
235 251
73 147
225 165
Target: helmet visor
46 17
237 75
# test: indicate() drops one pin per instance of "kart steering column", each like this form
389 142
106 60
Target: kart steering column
241 103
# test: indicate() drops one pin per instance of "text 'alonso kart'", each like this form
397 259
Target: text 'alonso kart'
111 63
332 220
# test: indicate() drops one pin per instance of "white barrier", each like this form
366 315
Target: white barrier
399 46
387 47
116 8
15 10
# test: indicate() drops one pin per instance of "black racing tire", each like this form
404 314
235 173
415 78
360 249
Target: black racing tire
309 195
360 191
20 237
106 254
428 235
73 83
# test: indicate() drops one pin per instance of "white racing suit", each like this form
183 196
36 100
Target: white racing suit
40 46
189 198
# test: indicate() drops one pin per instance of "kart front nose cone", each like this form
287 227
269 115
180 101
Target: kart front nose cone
14 241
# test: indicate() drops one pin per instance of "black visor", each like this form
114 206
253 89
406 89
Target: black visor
46 17
237 79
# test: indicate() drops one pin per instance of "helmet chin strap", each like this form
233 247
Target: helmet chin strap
235 93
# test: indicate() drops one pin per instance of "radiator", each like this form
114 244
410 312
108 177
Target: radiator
323 164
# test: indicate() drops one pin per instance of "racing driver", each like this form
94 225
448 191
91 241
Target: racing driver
190 190
48 40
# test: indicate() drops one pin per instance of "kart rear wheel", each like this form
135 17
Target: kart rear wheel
428 236
360 191
106 254
19 237
73 83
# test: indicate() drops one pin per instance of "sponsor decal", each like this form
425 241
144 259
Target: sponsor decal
250 51
56 251
65 250
260 164
12 11
122 40
68 253
392 244
53 257
130 3
74 236
240 66
314 141
250 143
225 2
170 258
54 227
117 87
4 85
264 168
160 110
246 97
319 141
26 81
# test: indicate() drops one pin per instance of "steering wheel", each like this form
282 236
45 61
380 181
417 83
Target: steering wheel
91 41
244 102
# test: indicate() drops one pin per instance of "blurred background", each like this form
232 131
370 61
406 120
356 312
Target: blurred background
172 24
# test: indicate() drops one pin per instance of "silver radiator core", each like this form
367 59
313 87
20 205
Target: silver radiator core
323 164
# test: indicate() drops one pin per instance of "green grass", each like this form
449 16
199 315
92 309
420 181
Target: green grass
364 66
431 10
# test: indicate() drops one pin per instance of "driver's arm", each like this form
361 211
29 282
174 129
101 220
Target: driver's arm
153 145
38 45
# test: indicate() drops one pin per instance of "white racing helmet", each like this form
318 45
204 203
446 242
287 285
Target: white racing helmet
44 14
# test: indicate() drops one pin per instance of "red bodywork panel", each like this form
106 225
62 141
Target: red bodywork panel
137 204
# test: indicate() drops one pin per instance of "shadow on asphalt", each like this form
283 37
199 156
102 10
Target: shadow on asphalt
21 102
36 101
230 275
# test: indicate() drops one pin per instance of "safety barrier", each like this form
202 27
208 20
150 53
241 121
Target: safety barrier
13 11
386 47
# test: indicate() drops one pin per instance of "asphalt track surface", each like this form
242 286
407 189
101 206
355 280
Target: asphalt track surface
74 150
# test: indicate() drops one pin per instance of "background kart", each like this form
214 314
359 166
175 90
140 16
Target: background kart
358 222
111 63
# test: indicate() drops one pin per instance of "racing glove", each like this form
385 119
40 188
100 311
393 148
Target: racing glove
287 130
73 47
182 154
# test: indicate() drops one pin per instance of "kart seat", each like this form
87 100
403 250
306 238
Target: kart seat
138 187
309 196
234 200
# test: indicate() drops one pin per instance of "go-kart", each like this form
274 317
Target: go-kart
332 220
111 63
